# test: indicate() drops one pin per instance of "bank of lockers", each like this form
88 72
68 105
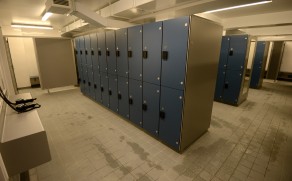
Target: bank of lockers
232 85
259 64
156 75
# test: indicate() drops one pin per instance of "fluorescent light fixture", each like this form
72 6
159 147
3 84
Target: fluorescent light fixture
46 16
15 25
111 28
239 6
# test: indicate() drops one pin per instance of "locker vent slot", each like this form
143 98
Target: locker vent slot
99 52
144 107
231 52
130 101
84 82
92 52
101 88
95 86
164 55
80 52
86 52
226 85
117 53
130 54
110 92
145 54
162 114
89 84
119 96
107 53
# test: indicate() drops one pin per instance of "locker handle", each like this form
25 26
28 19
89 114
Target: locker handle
162 114
76 52
145 54
101 88
110 92
119 96
80 52
164 55
144 107
99 52
107 53
92 52
95 86
226 85
89 84
86 52
79 80
230 52
117 53
130 101
84 82
130 53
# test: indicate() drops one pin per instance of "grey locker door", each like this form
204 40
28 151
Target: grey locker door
85 80
101 52
232 87
150 107
123 96
257 64
87 51
135 52
104 89
121 52
94 52
90 81
220 82
171 103
237 52
152 39
174 52
135 101
224 52
113 92
96 86
111 52
82 50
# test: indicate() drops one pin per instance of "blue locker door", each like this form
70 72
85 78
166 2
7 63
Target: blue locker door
102 52
257 64
135 52
224 53
113 92
96 87
123 96
232 86
220 84
237 52
255 75
135 101
150 107
174 52
111 52
104 89
94 52
171 102
152 39
121 52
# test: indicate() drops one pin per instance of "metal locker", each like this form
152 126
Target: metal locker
90 81
85 80
78 60
87 51
237 52
113 92
111 52
171 105
152 39
96 87
82 50
135 52
135 101
104 89
150 107
94 52
220 84
174 52
232 86
123 96
224 53
101 52
258 64
121 52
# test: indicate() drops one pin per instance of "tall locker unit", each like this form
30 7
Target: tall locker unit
89 65
259 64
135 74
84 65
79 63
231 85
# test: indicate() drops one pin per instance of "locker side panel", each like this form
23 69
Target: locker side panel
219 84
113 92
111 52
174 52
152 39
224 52
135 52
96 86
233 80
257 65
238 49
123 96
150 107
102 52
104 89
94 52
135 101
78 62
121 52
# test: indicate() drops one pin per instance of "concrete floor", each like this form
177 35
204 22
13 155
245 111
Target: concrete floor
88 142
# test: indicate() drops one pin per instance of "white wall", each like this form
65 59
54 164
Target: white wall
269 55
251 54
286 65
24 60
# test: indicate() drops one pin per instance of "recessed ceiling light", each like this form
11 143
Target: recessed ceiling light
239 6
46 16
16 25
111 28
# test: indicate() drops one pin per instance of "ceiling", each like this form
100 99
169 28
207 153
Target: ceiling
31 11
